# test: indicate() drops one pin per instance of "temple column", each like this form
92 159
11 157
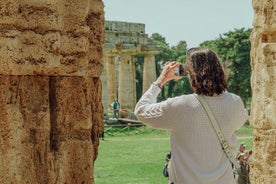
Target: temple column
262 114
127 84
111 81
104 84
50 90
149 70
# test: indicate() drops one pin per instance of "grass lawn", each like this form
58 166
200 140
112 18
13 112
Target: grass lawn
137 156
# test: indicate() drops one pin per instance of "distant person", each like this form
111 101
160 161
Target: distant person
243 158
116 106
196 154
167 165
242 148
243 171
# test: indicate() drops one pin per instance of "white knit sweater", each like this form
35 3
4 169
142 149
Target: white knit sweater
197 157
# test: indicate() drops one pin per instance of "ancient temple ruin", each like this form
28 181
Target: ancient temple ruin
123 41
50 90
263 82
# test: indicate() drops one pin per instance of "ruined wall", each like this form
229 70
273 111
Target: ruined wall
263 110
50 92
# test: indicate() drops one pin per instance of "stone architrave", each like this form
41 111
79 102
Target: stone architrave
127 83
263 106
149 70
51 112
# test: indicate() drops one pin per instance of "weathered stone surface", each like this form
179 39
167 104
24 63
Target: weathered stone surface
127 86
50 126
263 111
50 93
51 37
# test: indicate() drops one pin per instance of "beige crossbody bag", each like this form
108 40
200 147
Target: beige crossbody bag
222 140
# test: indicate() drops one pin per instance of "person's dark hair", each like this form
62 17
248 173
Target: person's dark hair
206 73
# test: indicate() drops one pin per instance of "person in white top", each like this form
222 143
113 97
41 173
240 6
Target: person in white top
196 153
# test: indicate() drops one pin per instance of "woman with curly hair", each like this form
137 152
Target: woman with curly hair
196 153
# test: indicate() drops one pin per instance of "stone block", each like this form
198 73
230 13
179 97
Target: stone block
262 117
50 93
51 38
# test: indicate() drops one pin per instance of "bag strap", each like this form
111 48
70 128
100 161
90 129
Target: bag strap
222 140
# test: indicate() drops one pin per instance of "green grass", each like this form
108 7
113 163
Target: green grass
245 136
137 155
245 130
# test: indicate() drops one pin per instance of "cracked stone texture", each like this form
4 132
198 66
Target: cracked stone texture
263 111
50 91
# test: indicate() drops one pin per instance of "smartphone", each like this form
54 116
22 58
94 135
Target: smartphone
180 70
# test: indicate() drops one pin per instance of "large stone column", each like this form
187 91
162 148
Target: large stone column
104 84
111 80
110 83
149 70
263 111
127 83
50 92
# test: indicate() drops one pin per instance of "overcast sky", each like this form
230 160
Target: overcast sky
193 21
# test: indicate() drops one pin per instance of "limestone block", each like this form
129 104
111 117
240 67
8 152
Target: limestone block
265 11
38 15
262 118
75 160
53 131
51 112
262 163
51 37
263 81
25 128
8 13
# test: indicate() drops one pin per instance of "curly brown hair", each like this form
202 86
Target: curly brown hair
205 71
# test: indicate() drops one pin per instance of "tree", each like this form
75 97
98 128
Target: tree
234 46
180 49
181 86
161 58
175 53
161 41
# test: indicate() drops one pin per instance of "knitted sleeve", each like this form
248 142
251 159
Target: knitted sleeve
150 112
241 113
